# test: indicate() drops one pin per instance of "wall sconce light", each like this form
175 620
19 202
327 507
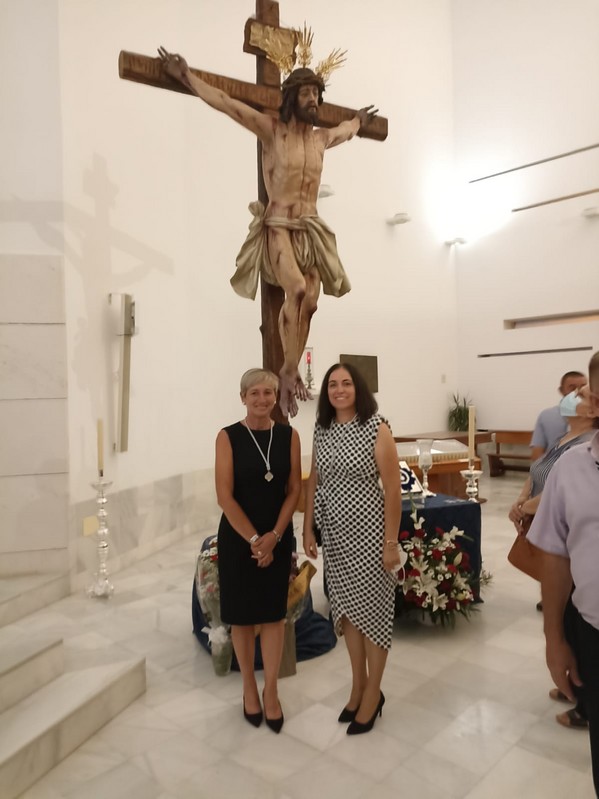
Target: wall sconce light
457 240
399 219
591 212
325 191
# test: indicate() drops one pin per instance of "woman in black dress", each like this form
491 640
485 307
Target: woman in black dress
258 482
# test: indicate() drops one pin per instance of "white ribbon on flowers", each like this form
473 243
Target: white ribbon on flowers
217 635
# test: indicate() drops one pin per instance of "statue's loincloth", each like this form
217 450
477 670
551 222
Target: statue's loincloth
313 243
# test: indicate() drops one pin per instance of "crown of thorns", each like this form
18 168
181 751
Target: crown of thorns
276 49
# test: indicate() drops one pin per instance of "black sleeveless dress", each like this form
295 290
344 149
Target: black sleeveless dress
248 594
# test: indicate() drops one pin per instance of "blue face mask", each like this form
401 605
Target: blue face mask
569 403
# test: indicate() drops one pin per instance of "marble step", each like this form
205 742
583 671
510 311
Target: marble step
40 731
24 594
26 665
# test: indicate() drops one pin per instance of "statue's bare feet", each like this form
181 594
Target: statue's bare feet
287 401
301 392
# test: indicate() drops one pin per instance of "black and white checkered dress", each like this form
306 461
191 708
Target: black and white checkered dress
349 511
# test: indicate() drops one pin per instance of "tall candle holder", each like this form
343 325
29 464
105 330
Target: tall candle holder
101 587
425 462
471 476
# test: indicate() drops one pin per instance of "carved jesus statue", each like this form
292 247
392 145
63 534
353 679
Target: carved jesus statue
288 244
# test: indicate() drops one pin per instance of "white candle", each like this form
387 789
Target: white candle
100 447
471 431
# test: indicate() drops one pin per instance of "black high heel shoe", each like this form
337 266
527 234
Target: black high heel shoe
357 727
274 724
347 715
255 719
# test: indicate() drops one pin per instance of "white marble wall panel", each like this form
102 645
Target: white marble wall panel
32 361
142 519
34 437
33 512
31 288
35 561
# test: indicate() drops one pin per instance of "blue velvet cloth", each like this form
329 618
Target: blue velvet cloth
446 512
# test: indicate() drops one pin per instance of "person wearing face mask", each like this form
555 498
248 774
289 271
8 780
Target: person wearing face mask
575 409
551 425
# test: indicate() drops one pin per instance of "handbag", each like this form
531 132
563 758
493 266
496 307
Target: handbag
299 587
526 556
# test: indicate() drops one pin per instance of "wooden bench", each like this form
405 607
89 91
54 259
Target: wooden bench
497 459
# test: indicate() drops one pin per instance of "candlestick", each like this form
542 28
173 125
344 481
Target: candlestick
309 375
100 447
101 587
472 476
471 433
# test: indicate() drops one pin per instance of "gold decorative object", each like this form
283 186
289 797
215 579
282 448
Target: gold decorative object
284 48
278 45
304 46
332 62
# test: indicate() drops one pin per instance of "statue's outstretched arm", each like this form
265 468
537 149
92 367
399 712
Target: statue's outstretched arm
176 66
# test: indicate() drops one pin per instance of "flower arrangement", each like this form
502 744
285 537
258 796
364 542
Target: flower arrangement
207 586
438 576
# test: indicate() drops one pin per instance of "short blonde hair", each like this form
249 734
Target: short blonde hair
254 376
594 373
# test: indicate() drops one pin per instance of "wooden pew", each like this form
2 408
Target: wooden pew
500 461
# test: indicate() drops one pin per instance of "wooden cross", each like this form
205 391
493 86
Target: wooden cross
264 95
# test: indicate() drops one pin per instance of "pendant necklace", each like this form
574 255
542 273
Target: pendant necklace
268 476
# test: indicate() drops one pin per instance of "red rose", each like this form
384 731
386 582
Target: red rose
413 573
436 554
439 531
416 552
451 604
419 533
445 586
453 569
403 535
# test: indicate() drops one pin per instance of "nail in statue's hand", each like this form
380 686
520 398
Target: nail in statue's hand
175 65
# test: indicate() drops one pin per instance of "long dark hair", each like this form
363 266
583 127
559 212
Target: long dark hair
366 405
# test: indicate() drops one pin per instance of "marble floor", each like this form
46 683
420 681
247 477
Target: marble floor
467 712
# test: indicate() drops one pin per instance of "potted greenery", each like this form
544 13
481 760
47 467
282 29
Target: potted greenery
457 418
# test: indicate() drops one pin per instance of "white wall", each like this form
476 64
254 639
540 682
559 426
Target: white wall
33 368
525 90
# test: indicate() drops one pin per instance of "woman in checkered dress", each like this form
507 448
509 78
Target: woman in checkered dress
353 497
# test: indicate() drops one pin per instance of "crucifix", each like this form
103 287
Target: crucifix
289 246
